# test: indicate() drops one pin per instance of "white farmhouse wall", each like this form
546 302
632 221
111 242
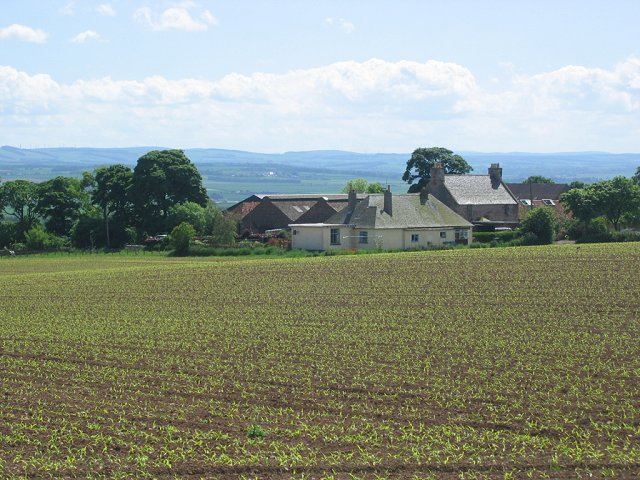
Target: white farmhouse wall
319 238
308 238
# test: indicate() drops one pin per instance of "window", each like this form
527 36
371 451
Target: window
363 237
415 238
335 236
462 234
525 201
443 234
548 201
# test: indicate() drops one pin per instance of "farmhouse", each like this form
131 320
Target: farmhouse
394 222
259 213
483 200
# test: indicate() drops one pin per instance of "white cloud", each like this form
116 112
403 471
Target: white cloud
85 36
367 106
23 33
176 18
106 9
346 26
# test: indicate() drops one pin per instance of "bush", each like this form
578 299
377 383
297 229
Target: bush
180 238
39 239
610 237
539 225
489 237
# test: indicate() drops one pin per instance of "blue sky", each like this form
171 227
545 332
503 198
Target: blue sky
273 76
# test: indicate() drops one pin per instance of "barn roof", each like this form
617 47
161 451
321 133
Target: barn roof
538 190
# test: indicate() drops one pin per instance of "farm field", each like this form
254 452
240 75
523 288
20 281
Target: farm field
465 364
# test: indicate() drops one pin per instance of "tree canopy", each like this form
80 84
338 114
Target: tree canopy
162 179
60 203
361 185
540 225
19 198
538 179
613 198
418 170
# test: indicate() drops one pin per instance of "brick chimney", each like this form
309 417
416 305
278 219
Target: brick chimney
388 203
495 172
424 195
437 175
352 199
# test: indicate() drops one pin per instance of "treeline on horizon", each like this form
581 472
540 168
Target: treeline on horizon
110 206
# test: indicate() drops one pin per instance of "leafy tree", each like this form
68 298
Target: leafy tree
582 203
62 200
540 225
19 198
361 185
188 212
221 226
180 238
538 179
636 177
160 180
577 184
616 197
422 159
111 194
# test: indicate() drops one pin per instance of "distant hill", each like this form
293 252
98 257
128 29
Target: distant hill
231 175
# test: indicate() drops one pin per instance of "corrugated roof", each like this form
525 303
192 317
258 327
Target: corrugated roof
477 190
407 212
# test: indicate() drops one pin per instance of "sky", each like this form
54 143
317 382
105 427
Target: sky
285 75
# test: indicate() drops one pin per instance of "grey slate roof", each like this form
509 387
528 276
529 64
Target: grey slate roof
295 208
407 212
477 190
538 190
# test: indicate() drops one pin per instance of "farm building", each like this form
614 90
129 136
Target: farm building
393 222
483 200
259 213
532 195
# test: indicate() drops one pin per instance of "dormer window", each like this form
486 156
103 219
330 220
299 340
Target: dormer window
548 202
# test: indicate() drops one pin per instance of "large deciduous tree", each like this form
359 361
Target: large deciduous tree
613 198
19 198
418 171
162 179
61 201
616 198
111 193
